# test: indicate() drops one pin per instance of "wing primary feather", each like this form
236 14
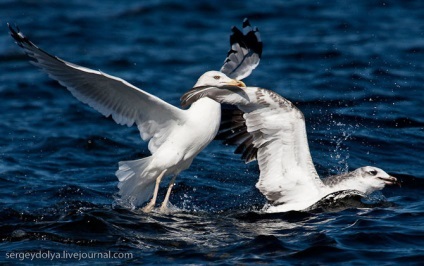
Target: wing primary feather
244 145
245 51
249 154
109 95
233 131
237 137
227 134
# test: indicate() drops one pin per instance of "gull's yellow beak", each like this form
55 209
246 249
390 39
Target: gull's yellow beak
237 83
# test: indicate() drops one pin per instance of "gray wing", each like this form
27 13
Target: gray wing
107 94
245 52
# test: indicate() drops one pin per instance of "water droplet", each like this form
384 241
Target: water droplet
18 233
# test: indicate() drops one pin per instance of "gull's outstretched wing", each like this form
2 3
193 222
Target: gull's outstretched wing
275 128
279 134
245 52
107 94
243 57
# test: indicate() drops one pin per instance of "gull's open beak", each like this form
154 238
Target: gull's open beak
391 180
237 83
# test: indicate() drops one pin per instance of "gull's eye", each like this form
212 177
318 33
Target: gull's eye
373 172
216 77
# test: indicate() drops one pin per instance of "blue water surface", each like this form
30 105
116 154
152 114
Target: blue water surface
355 68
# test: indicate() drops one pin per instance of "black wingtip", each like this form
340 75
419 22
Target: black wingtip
245 51
236 31
17 35
250 38
246 22
14 33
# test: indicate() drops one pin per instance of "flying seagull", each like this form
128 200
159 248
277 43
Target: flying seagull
269 128
175 135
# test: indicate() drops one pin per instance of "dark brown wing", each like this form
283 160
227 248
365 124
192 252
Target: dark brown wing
233 131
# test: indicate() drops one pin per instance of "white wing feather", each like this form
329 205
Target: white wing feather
111 96
279 134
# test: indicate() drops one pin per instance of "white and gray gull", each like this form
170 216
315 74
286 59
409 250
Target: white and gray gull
269 128
175 135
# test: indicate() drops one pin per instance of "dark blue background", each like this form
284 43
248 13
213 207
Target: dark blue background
355 68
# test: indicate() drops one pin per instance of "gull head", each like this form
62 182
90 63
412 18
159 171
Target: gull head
373 178
215 85
217 79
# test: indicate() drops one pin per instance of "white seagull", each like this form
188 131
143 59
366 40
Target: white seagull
269 128
175 135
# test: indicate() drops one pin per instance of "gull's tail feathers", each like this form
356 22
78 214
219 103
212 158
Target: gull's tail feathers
136 182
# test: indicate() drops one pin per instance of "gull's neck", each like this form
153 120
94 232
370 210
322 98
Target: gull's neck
205 104
207 112
339 180
348 181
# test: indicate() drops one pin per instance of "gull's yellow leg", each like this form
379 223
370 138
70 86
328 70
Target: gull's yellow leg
164 206
149 207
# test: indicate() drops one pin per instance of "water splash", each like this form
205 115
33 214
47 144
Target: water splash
339 135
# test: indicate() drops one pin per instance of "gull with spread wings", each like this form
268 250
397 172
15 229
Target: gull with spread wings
175 136
269 128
